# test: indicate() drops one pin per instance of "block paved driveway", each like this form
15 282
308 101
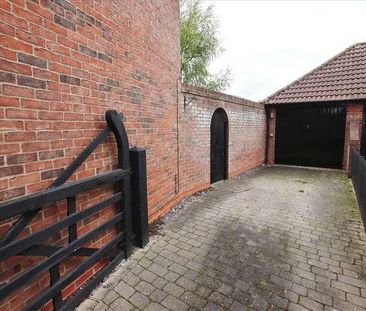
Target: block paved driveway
277 238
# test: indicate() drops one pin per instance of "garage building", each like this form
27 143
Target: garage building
317 119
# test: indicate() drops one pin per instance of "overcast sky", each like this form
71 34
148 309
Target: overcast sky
271 43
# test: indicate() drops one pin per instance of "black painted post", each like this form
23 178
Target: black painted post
140 227
114 121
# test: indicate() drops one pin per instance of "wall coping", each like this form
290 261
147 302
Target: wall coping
203 92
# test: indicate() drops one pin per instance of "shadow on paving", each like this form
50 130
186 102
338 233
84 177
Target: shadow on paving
241 264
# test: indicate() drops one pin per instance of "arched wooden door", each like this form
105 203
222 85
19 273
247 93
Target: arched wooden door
218 145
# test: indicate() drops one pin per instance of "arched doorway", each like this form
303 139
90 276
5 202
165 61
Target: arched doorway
219 146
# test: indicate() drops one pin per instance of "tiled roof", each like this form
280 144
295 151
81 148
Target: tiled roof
343 77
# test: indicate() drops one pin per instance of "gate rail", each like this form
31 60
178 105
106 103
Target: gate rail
119 247
358 176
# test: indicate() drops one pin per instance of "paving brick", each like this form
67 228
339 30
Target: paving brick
224 289
329 261
174 304
187 283
155 307
171 276
158 270
213 307
320 297
317 263
164 262
145 288
236 306
296 307
220 299
279 302
137 269
345 306
352 281
363 292
110 297
308 283
303 273
323 272
160 282
178 269
322 280
357 300
191 274
310 304
321 288
147 276
346 287
139 300
301 290
131 279
290 276
280 281
101 306
291 296
351 273
120 304
158 295
173 289
124 290
203 291
145 263
193 300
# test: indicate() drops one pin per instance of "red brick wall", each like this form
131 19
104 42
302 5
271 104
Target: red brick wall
353 131
62 65
246 135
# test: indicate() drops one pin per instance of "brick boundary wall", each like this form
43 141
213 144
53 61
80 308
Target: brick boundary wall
246 131
246 135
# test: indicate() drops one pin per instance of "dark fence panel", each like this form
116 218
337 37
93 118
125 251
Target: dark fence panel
358 175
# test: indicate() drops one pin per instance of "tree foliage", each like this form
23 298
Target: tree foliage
199 46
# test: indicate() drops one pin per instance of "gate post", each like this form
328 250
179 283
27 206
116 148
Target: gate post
140 227
115 124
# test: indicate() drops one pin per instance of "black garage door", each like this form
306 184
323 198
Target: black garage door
310 135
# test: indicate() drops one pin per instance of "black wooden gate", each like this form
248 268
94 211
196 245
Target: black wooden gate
218 146
358 175
119 247
310 135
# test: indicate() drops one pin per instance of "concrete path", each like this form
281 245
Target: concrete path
278 238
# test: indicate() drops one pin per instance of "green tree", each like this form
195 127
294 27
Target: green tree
199 45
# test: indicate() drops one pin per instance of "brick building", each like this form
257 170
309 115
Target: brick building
315 120
62 65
